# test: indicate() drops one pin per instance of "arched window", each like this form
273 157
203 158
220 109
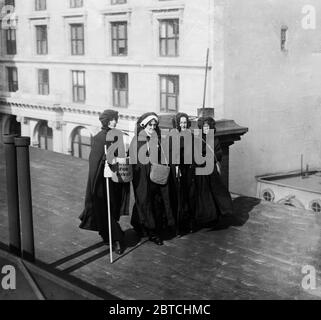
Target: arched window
81 143
44 136
268 195
315 206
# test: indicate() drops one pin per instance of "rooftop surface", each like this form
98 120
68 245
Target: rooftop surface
259 253
309 182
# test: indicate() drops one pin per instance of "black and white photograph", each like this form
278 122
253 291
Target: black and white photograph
160 150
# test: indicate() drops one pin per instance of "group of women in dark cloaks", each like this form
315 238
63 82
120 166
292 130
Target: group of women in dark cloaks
185 203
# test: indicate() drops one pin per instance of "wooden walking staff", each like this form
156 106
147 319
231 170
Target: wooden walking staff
107 175
179 205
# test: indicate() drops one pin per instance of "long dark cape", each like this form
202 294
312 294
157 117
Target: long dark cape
145 203
95 214
212 197
182 186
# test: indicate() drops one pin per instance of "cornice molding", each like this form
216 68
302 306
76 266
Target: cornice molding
62 109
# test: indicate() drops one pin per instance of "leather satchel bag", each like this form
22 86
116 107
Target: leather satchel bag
159 173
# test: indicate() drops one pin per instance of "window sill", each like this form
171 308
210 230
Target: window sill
75 13
9 56
78 103
116 9
8 94
39 16
165 7
120 108
168 57
118 56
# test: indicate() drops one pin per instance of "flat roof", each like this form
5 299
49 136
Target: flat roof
294 180
257 254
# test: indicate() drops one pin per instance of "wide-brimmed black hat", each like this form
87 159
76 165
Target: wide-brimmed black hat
209 120
107 116
177 118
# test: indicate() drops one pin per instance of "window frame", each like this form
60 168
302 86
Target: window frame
9 3
76 133
284 38
43 85
77 40
166 39
117 90
11 44
168 95
13 85
75 4
77 87
315 203
40 5
44 124
40 50
118 39
270 192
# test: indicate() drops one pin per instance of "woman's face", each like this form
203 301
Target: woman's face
183 123
112 124
150 128
206 128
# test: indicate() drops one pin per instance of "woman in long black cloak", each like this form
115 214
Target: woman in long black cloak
183 176
95 214
213 200
152 210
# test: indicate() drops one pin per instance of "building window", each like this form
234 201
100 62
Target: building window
118 1
316 206
12 79
45 136
268 195
284 31
76 3
81 143
43 81
9 3
78 86
120 90
119 38
169 37
41 37
77 39
40 5
11 41
169 93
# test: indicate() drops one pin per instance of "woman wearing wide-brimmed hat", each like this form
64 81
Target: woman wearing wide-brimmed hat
152 210
213 199
183 176
95 214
